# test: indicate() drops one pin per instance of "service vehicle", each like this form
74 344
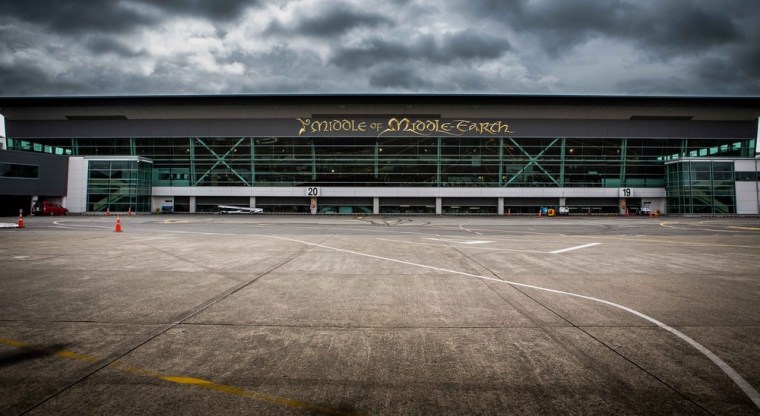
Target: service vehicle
48 208
231 209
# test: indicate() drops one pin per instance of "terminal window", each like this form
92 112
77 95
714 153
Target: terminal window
15 170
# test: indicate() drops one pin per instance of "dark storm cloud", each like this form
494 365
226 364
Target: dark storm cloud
662 27
75 16
33 80
394 76
714 42
333 21
457 46
78 47
103 44
211 9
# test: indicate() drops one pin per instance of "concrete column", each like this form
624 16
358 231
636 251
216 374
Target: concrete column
192 205
500 206
438 206
563 202
376 205
252 202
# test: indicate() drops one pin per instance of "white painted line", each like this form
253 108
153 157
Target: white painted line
8 225
730 372
469 230
460 241
574 248
473 248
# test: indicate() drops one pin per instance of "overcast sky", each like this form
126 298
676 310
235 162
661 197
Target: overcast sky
137 47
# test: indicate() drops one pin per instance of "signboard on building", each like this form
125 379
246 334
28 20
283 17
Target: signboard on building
403 127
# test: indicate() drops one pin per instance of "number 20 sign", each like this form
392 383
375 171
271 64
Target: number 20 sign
313 191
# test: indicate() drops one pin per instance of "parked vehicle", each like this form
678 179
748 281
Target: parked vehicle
564 211
48 208
231 209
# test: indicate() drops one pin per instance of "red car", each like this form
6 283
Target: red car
48 208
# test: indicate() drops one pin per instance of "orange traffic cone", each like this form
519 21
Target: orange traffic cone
20 219
129 212
108 212
118 225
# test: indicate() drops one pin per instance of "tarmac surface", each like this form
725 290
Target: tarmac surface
341 315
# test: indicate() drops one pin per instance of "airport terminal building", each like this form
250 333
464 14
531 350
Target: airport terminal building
382 154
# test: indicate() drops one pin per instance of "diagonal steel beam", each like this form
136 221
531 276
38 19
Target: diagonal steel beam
221 160
532 161
535 161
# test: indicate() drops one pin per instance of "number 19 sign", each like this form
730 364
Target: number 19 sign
626 192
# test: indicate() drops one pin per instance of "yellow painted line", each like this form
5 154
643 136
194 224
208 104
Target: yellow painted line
744 228
192 381
14 343
210 385
76 356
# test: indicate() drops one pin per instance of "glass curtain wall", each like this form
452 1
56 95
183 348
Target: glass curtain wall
119 185
701 187
408 161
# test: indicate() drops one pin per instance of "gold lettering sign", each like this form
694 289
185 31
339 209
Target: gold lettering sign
405 125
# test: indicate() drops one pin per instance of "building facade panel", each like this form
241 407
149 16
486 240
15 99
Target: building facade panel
491 149
76 198
50 179
748 198
290 128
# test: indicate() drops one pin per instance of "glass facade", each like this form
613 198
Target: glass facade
415 161
17 170
692 186
47 147
701 187
119 185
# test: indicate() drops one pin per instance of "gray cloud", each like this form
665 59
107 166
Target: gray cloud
398 77
665 28
77 47
104 44
457 46
31 80
75 16
332 21
214 10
